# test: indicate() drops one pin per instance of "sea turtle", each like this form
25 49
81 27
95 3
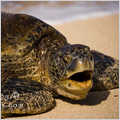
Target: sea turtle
37 64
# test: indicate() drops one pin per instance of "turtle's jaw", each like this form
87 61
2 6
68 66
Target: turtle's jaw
78 81
76 86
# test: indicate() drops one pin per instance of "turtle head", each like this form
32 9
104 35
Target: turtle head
71 69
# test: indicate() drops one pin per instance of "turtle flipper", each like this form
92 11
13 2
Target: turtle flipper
106 72
32 98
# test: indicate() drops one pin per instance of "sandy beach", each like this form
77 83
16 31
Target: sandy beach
101 34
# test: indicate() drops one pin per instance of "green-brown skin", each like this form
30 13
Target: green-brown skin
38 63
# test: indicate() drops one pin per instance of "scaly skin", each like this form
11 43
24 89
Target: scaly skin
37 62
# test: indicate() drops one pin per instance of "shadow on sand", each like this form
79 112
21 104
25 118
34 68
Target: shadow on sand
93 98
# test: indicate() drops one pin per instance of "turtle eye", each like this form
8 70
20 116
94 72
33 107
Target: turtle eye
67 59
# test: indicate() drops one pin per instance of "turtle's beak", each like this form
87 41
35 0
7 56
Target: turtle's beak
80 72
79 78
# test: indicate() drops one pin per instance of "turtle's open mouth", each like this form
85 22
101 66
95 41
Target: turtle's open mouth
78 80
81 76
77 85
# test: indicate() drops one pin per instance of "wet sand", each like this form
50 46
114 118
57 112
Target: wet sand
100 34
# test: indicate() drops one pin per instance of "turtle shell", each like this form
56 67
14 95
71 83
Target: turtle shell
21 32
